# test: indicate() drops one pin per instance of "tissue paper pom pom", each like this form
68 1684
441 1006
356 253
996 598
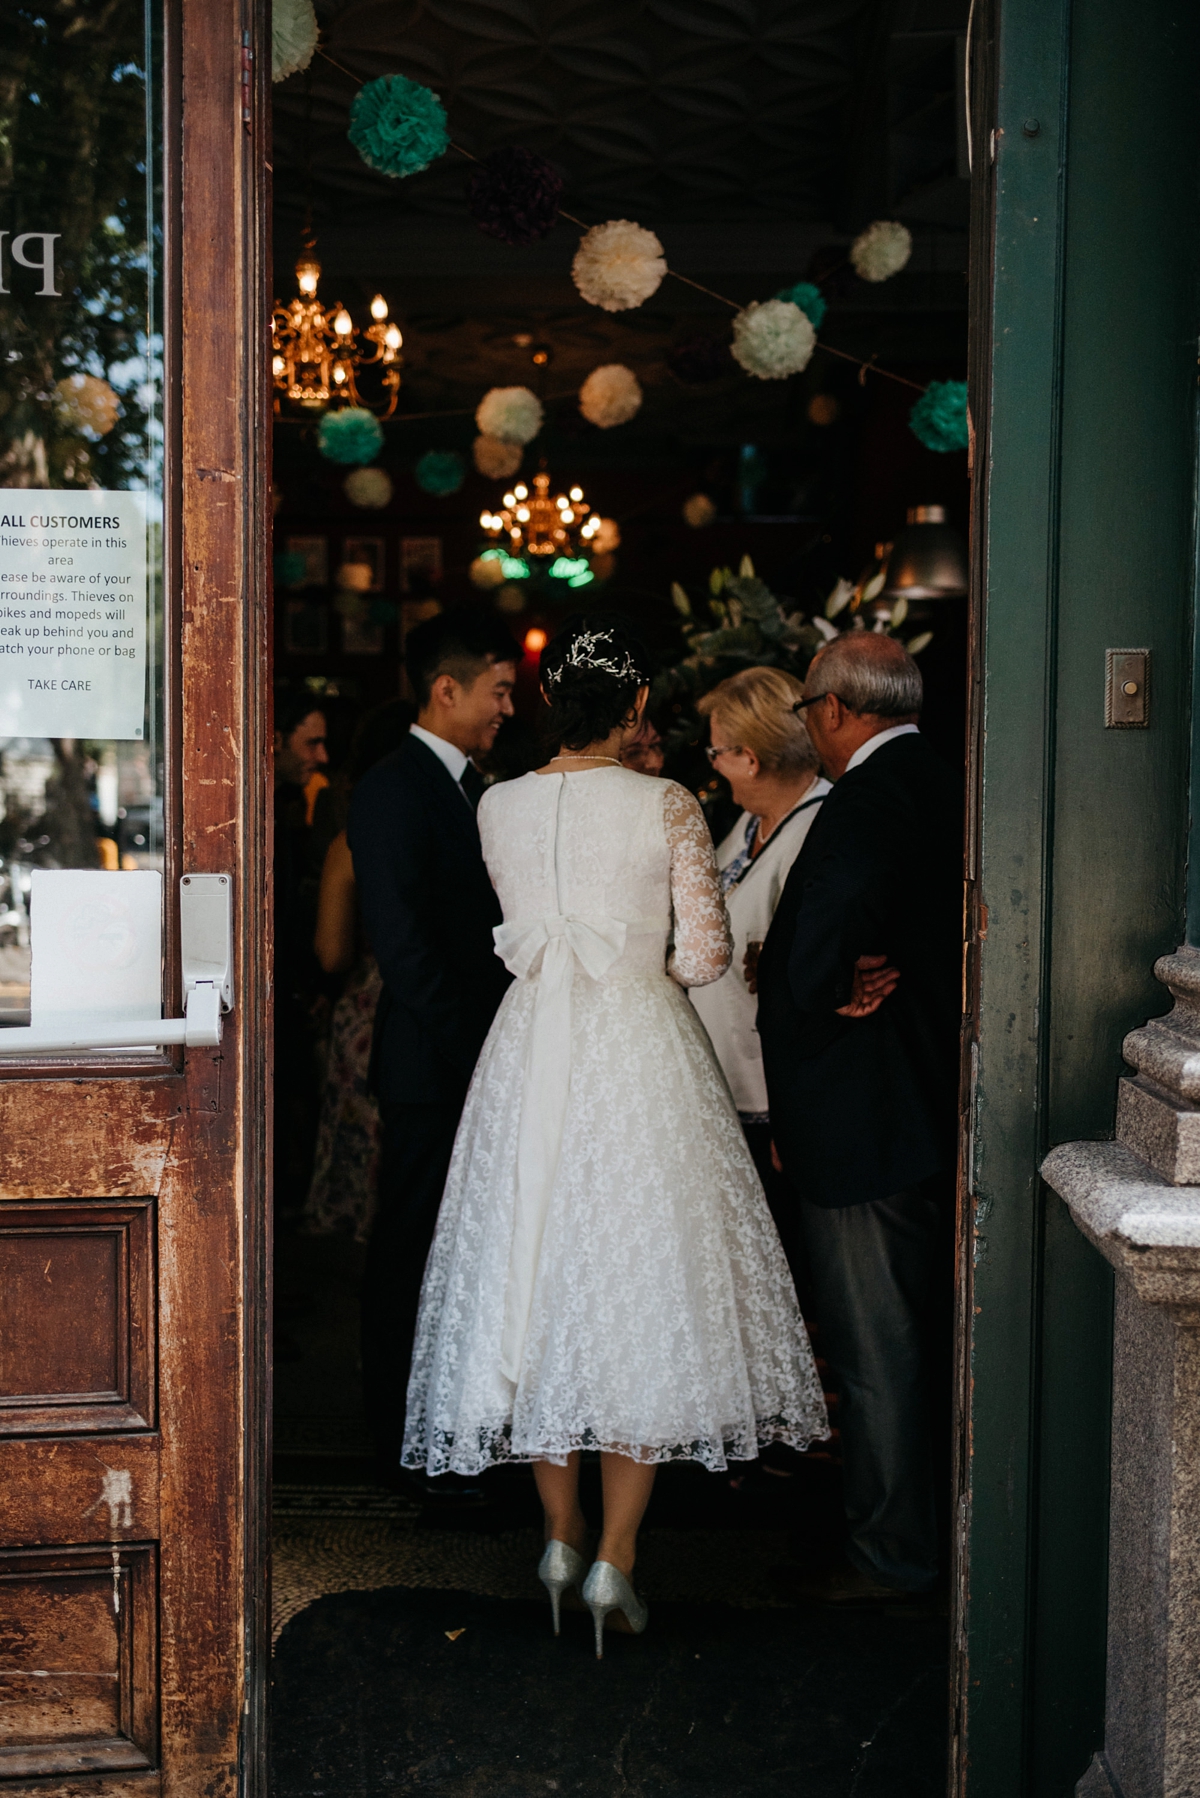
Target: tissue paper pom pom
496 458
294 33
398 126
290 568
939 418
487 571
881 250
610 395
514 195
607 538
87 403
370 487
698 511
440 472
698 360
810 300
511 413
618 265
351 435
773 339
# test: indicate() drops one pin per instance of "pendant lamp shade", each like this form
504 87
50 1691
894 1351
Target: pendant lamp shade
928 559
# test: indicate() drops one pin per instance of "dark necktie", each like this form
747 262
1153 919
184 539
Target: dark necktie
472 784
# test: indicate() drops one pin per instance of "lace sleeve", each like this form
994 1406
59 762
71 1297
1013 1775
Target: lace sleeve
703 944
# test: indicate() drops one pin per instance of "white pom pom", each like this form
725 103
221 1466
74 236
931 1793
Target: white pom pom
773 339
881 250
511 413
618 265
369 487
699 511
607 538
610 395
486 571
496 458
294 33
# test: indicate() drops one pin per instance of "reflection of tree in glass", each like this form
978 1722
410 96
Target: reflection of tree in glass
73 160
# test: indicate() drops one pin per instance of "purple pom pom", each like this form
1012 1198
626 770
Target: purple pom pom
514 195
698 360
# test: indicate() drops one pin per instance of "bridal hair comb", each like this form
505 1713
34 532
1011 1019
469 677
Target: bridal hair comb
588 651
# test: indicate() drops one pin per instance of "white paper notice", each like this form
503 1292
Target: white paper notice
72 613
97 944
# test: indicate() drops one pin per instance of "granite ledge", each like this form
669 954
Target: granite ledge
1147 1228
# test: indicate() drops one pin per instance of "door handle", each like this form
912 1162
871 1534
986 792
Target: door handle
206 944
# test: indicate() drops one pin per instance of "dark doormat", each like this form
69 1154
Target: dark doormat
373 1698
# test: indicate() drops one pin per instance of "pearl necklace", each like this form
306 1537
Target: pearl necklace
572 757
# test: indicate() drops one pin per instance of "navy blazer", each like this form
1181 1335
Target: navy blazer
864 1107
429 909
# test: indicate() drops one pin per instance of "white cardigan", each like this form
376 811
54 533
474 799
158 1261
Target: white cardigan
728 1009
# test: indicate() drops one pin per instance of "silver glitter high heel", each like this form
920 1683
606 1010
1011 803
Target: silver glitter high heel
559 1568
606 1589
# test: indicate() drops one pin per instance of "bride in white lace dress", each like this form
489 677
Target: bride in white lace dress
605 1272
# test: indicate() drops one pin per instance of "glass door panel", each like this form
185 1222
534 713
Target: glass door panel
81 454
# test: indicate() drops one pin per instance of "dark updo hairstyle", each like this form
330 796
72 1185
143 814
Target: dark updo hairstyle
591 673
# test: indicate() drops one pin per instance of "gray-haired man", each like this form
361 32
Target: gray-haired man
858 1015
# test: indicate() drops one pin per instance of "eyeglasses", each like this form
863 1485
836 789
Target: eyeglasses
812 700
714 750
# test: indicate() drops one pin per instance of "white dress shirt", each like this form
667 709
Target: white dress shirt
451 758
872 743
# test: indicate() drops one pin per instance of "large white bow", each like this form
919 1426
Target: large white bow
595 942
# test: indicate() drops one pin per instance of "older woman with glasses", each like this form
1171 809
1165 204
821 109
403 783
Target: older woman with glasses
761 746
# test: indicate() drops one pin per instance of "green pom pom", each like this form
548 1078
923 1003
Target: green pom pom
352 435
939 418
398 126
810 300
440 472
290 568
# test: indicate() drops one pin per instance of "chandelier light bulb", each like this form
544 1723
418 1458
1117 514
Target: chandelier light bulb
392 337
379 307
339 374
343 324
277 366
308 273
568 516
577 493
521 492
510 499
523 514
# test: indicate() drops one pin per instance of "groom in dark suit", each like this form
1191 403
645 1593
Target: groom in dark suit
859 1011
429 909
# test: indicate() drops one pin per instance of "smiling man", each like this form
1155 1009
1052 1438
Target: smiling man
429 909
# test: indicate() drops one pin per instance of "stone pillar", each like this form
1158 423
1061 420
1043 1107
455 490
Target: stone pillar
1138 1201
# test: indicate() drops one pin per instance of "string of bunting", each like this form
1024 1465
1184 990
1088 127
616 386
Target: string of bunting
399 127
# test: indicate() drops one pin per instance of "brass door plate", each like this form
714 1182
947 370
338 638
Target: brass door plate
1126 689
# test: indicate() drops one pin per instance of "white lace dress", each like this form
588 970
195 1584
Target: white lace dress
605 1272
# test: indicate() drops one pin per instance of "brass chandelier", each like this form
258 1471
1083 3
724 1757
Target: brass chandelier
533 524
317 354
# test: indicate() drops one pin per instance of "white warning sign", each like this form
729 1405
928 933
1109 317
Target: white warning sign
72 614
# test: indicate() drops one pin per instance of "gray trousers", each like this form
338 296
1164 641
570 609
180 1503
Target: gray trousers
881 1283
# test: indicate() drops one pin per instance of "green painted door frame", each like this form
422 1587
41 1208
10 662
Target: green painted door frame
1083 392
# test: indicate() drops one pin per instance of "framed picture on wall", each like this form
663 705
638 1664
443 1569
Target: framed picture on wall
315 551
371 551
361 639
305 628
420 563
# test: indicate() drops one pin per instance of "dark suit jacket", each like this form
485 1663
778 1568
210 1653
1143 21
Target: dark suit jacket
429 908
863 1107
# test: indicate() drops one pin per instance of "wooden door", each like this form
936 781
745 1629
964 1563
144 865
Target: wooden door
133 1254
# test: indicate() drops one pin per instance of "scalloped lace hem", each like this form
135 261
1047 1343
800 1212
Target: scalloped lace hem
492 1445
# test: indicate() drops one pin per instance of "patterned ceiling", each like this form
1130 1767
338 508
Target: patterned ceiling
754 135
654 109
